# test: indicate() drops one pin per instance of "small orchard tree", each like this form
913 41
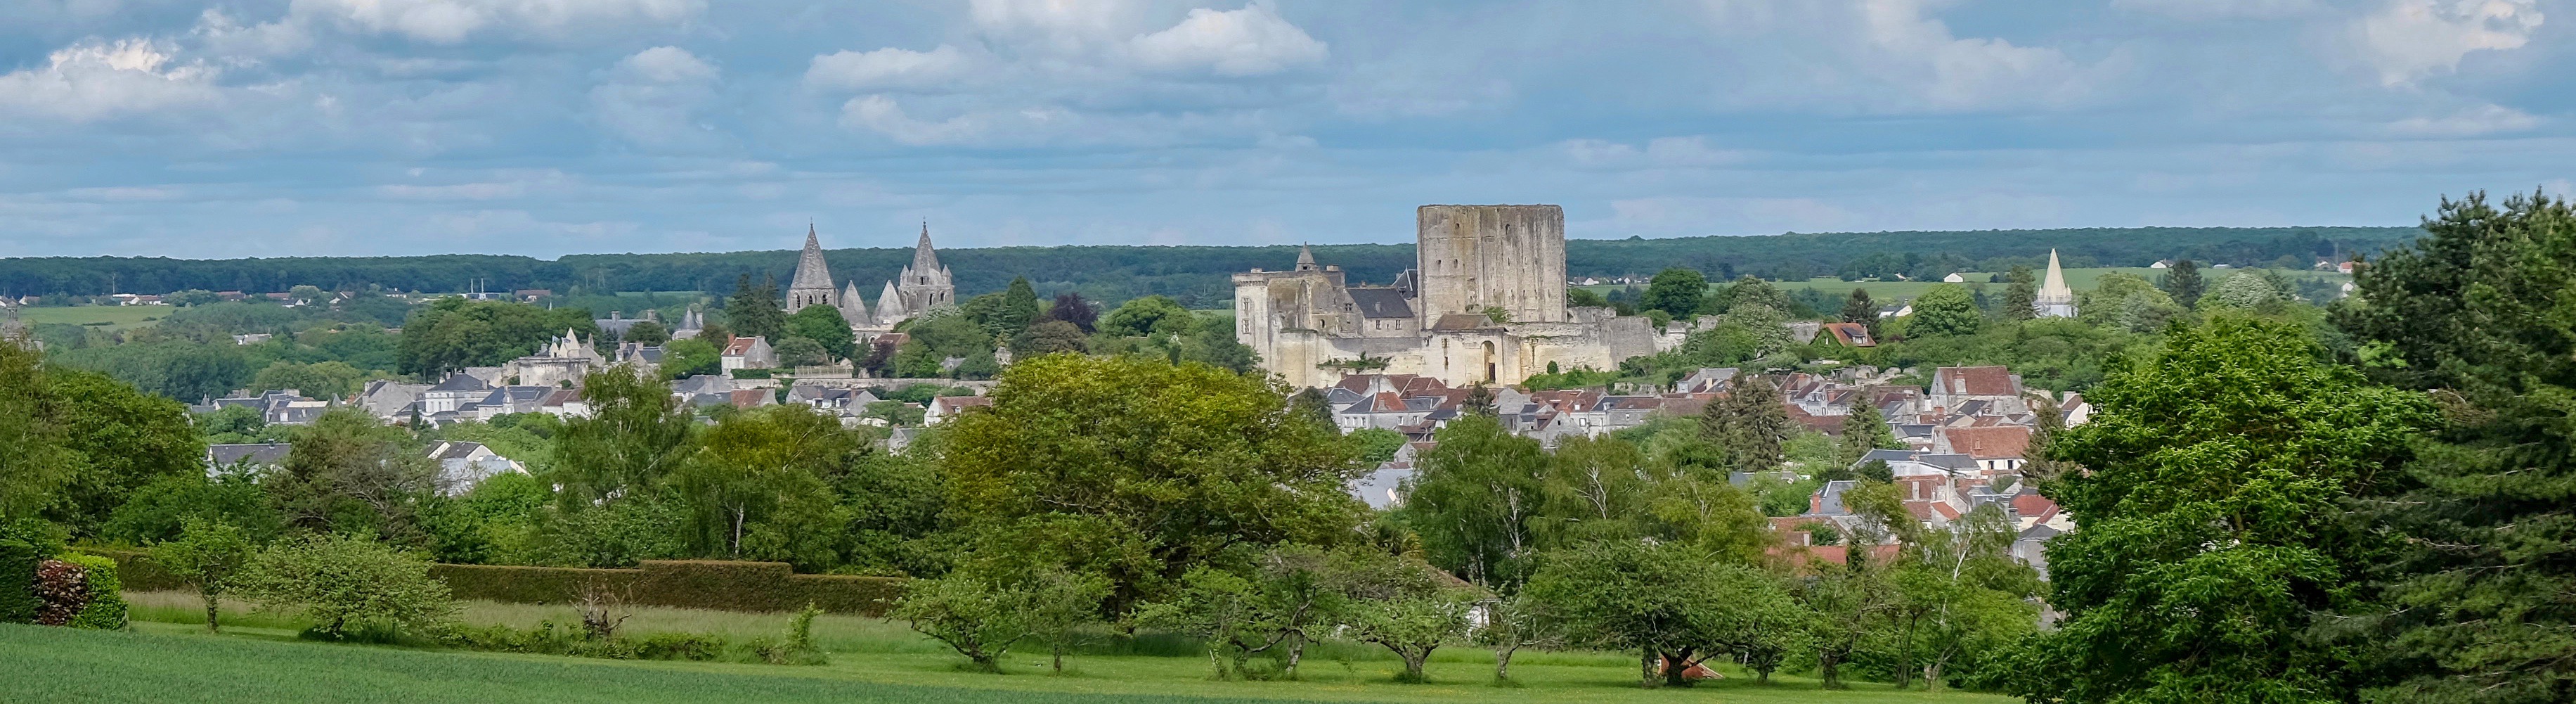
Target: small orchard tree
342 581
1223 609
207 555
1400 605
1517 622
978 617
1060 603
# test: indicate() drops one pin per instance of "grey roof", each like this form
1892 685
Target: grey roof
1381 303
1949 461
461 382
703 384
455 450
270 454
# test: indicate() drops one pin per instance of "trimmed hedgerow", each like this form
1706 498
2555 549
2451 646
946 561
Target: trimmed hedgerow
136 571
105 609
18 602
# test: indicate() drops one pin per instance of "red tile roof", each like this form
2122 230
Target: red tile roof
1974 381
1999 442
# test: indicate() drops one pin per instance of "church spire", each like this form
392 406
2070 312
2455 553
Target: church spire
1305 258
924 259
812 284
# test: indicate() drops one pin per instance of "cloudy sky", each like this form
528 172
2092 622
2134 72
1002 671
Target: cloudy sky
545 127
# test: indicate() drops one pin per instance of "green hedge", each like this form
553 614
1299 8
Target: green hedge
106 607
693 584
18 602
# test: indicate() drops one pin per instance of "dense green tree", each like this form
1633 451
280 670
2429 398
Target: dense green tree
800 352
1946 309
1051 336
1750 424
2244 290
690 357
646 333
2476 312
2211 529
2021 295
1139 470
323 380
124 440
38 461
1019 308
754 310
825 326
347 472
1864 429
1375 445
1071 308
1400 605
1960 597
1672 604
1750 291
634 436
157 511
759 489
2183 283
1675 291
1151 316
454 333
1474 500
2126 301
1595 489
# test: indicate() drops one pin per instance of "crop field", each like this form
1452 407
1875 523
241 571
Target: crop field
258 659
104 317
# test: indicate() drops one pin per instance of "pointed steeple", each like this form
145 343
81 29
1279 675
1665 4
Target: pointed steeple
2053 287
924 259
890 306
1305 258
812 284
853 308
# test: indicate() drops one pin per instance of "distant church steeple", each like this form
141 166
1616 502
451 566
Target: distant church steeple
812 285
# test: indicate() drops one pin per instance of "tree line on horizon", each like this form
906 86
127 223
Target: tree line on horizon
1197 276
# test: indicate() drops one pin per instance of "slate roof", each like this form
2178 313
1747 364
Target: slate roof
461 382
1462 321
454 450
1377 303
269 454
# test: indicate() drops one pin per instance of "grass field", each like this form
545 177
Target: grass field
105 317
258 660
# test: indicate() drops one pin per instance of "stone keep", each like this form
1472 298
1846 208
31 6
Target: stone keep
1478 256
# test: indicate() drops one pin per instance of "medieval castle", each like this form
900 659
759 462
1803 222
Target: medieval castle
1485 304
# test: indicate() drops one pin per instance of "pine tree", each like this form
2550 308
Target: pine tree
1864 430
2475 312
754 311
1750 424
2184 284
1860 309
2021 296
1019 308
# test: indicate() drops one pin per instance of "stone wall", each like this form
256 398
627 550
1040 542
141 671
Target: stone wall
1474 256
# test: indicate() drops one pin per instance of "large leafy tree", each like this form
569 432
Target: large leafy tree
2480 312
1140 470
455 333
2021 295
1677 291
125 439
1475 500
2183 282
759 486
2212 527
1750 424
753 310
634 436
825 326
38 461
1946 309
348 472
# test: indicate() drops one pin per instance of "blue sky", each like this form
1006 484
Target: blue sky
546 127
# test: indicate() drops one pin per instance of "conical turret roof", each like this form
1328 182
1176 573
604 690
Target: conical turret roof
924 259
1305 258
811 273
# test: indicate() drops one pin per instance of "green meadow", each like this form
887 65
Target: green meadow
106 317
258 659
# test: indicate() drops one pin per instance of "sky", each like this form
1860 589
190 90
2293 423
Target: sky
548 127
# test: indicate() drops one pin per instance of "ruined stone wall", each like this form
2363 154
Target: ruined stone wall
1474 256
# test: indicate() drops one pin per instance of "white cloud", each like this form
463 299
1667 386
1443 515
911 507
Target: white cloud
447 21
653 97
889 67
2222 9
881 114
2409 40
96 80
1251 41
1661 152
1888 56
2472 122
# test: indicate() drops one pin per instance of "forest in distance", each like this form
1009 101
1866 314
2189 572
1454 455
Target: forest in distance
1198 275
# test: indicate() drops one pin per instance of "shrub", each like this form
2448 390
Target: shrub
344 581
18 602
63 589
105 608
978 618
679 646
797 648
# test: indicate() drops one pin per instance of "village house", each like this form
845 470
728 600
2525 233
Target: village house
748 353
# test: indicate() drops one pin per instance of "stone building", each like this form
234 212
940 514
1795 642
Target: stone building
1485 304
917 288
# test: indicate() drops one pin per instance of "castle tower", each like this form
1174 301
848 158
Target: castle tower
2055 299
925 284
813 283
1476 256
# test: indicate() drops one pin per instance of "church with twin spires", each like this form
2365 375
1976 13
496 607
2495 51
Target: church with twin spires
919 287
